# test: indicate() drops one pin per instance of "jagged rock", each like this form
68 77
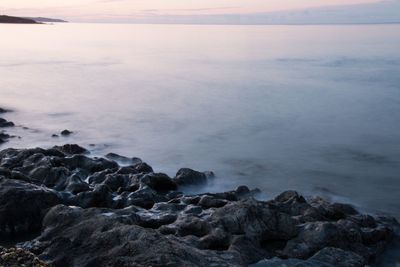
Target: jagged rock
108 241
101 196
256 220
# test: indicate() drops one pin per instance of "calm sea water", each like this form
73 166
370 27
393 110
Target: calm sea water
311 108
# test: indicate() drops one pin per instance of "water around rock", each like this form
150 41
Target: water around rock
94 212
90 211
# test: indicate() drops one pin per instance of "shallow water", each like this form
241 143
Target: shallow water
311 108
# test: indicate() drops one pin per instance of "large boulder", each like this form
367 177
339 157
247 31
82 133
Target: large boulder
187 176
23 206
159 182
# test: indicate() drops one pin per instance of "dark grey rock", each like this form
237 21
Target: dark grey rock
143 167
211 202
23 206
66 132
187 176
159 182
71 149
109 241
4 123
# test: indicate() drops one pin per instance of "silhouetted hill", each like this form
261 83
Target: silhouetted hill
10 19
41 19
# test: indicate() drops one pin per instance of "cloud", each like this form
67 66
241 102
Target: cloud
381 12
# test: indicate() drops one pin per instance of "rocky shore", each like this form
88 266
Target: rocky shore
117 211
3 125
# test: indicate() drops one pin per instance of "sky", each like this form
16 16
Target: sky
172 10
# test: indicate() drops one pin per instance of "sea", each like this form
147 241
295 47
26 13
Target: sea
312 108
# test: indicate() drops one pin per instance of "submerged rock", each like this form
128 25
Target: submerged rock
4 123
66 132
97 213
4 137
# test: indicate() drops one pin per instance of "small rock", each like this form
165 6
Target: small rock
66 133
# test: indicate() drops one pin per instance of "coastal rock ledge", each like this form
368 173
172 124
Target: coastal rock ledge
93 212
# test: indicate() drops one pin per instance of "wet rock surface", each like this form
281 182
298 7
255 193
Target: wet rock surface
95 212
14 257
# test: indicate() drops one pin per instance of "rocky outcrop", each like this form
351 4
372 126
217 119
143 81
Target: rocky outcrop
95 212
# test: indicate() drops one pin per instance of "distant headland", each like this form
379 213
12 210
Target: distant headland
27 20
18 20
42 19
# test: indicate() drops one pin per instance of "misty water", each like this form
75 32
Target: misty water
310 108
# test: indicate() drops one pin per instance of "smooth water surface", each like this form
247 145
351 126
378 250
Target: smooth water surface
311 108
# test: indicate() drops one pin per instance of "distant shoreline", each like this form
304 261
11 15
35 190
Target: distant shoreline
28 20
